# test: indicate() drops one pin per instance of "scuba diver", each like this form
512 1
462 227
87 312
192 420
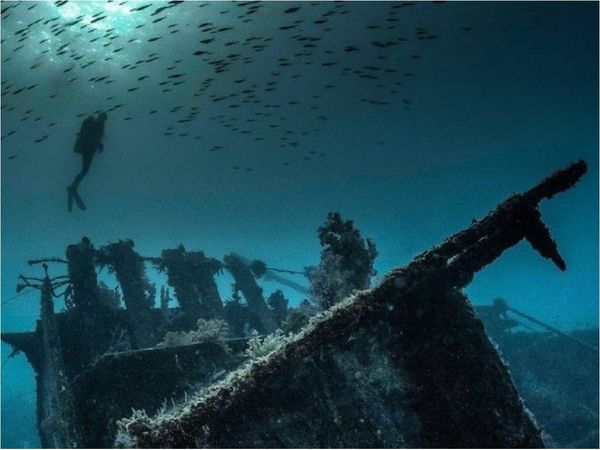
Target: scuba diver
89 140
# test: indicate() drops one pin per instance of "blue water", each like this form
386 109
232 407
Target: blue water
504 95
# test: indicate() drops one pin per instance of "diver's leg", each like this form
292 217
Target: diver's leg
84 170
72 189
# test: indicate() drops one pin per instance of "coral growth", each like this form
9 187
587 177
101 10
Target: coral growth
346 262
122 259
279 305
260 347
109 297
214 330
335 381
298 317
191 274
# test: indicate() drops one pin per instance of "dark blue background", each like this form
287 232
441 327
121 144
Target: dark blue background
494 110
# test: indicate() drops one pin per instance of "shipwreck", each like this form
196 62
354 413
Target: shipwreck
405 363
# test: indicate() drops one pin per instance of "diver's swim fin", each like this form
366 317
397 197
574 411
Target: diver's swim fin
74 195
78 200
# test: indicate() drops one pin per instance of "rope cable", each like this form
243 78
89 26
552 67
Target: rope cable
4 302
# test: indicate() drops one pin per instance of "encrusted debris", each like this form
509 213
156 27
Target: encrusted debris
458 391
403 364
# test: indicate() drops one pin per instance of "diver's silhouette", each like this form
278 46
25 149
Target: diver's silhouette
89 140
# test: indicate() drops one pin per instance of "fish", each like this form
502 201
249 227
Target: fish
43 138
98 19
141 8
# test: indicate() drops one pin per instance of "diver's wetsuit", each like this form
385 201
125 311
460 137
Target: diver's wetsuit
88 142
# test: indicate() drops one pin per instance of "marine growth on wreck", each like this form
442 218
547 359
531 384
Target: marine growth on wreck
299 224
386 362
